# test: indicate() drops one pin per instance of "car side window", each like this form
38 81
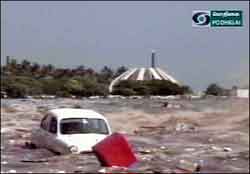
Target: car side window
44 124
53 125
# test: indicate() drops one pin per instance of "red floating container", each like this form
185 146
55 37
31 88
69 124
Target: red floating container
115 150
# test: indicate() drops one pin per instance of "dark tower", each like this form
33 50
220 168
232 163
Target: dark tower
7 60
153 59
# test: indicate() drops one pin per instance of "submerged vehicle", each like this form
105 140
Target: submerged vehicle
70 130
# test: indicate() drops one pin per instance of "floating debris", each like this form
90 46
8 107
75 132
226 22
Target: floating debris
4 130
11 141
184 127
163 147
35 160
4 162
188 166
227 149
103 170
210 140
146 158
22 130
216 148
11 171
114 169
189 149
145 151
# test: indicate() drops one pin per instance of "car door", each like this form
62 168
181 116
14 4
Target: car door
52 134
45 136
39 135
53 142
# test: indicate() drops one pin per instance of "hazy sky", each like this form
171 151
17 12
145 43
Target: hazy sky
94 34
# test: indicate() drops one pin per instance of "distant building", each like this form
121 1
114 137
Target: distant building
139 74
240 92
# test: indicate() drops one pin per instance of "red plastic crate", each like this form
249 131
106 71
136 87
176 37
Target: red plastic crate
115 150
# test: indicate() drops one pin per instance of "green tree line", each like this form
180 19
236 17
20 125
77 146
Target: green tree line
26 78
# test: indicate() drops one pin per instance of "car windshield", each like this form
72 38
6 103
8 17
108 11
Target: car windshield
83 126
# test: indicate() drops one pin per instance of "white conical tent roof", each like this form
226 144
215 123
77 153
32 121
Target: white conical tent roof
140 74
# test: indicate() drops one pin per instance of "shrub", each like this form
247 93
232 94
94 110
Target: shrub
124 91
214 89
20 86
150 87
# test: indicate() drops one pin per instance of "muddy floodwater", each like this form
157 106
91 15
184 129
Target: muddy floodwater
211 132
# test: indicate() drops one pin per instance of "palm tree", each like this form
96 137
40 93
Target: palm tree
107 72
121 70
12 67
26 65
35 68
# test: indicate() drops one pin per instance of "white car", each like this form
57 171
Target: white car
70 130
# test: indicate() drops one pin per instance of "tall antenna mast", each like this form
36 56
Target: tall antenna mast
153 59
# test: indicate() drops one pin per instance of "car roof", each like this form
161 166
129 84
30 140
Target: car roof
63 113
